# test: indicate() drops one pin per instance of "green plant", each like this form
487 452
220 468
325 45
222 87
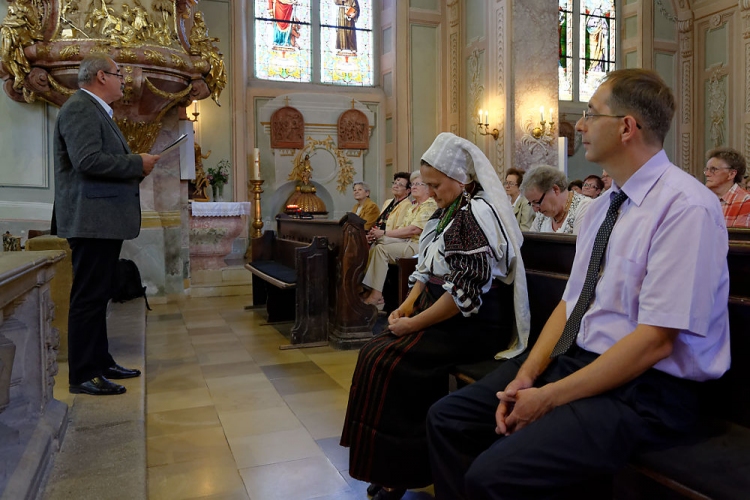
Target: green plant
219 175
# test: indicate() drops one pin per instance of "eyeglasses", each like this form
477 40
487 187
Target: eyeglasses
587 185
587 115
414 184
118 75
713 170
538 203
508 183
396 183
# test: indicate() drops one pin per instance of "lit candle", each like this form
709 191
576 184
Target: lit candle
256 164
551 116
486 117
195 109
480 116
541 113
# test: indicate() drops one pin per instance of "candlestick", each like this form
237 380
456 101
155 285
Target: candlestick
256 164
257 219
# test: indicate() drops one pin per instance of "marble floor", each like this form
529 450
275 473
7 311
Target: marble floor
230 416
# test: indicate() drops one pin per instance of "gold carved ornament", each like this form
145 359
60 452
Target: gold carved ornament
301 161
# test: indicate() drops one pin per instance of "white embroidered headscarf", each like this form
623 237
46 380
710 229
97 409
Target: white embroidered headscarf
464 162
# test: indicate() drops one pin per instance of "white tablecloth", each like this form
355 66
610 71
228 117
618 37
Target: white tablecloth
221 208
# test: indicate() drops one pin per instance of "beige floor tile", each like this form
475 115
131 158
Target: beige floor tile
230 369
297 480
197 340
252 422
183 377
306 383
178 400
204 323
275 357
324 424
273 447
230 345
333 358
177 421
188 480
188 446
312 402
217 357
249 400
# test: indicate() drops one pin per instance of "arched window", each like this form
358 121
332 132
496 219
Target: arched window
321 41
587 46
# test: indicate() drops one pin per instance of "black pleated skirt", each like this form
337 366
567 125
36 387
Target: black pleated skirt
397 379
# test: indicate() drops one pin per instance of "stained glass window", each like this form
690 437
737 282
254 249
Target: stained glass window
346 42
597 44
565 32
587 46
283 40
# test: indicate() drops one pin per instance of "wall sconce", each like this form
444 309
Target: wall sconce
539 134
195 112
495 132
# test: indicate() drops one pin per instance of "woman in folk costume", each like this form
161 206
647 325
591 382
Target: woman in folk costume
468 300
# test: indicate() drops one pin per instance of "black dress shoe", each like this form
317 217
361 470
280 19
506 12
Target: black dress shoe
117 372
384 494
373 489
97 386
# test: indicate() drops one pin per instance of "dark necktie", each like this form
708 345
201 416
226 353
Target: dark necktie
592 275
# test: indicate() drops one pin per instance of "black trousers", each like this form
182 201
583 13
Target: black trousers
94 264
549 458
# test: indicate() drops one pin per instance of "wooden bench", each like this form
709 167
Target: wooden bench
290 275
350 320
711 464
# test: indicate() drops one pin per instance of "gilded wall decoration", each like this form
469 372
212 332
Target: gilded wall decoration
353 130
287 128
663 11
165 42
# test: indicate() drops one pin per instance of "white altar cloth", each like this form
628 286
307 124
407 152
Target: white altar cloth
221 208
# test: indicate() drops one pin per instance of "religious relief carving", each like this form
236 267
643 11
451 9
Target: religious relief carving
51 336
353 130
717 99
454 72
714 21
302 162
198 189
476 89
453 18
663 11
287 128
165 44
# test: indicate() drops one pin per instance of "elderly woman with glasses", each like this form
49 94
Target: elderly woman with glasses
393 211
558 210
468 300
521 209
398 242
365 207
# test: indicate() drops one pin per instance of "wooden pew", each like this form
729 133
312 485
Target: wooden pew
714 463
290 274
350 320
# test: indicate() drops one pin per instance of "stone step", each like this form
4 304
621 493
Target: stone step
103 455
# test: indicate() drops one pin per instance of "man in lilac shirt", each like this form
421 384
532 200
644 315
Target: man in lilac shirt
656 327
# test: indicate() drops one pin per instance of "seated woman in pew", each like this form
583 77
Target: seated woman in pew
365 207
392 244
558 210
394 209
468 300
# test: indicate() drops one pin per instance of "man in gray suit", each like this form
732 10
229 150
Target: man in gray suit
97 206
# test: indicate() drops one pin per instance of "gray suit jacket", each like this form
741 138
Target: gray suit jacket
96 176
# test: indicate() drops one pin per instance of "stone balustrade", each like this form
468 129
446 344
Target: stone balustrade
32 422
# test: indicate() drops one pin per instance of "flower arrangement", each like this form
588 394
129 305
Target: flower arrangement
219 175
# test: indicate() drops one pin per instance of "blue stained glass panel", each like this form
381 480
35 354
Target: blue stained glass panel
283 40
346 42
